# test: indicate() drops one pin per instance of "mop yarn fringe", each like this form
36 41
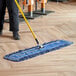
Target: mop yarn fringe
35 51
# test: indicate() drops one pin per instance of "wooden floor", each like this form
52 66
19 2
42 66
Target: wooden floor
58 25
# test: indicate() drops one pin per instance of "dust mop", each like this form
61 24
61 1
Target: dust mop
37 50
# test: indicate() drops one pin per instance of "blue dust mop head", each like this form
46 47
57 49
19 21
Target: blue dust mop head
35 51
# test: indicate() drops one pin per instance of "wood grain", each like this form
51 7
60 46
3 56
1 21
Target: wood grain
58 25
